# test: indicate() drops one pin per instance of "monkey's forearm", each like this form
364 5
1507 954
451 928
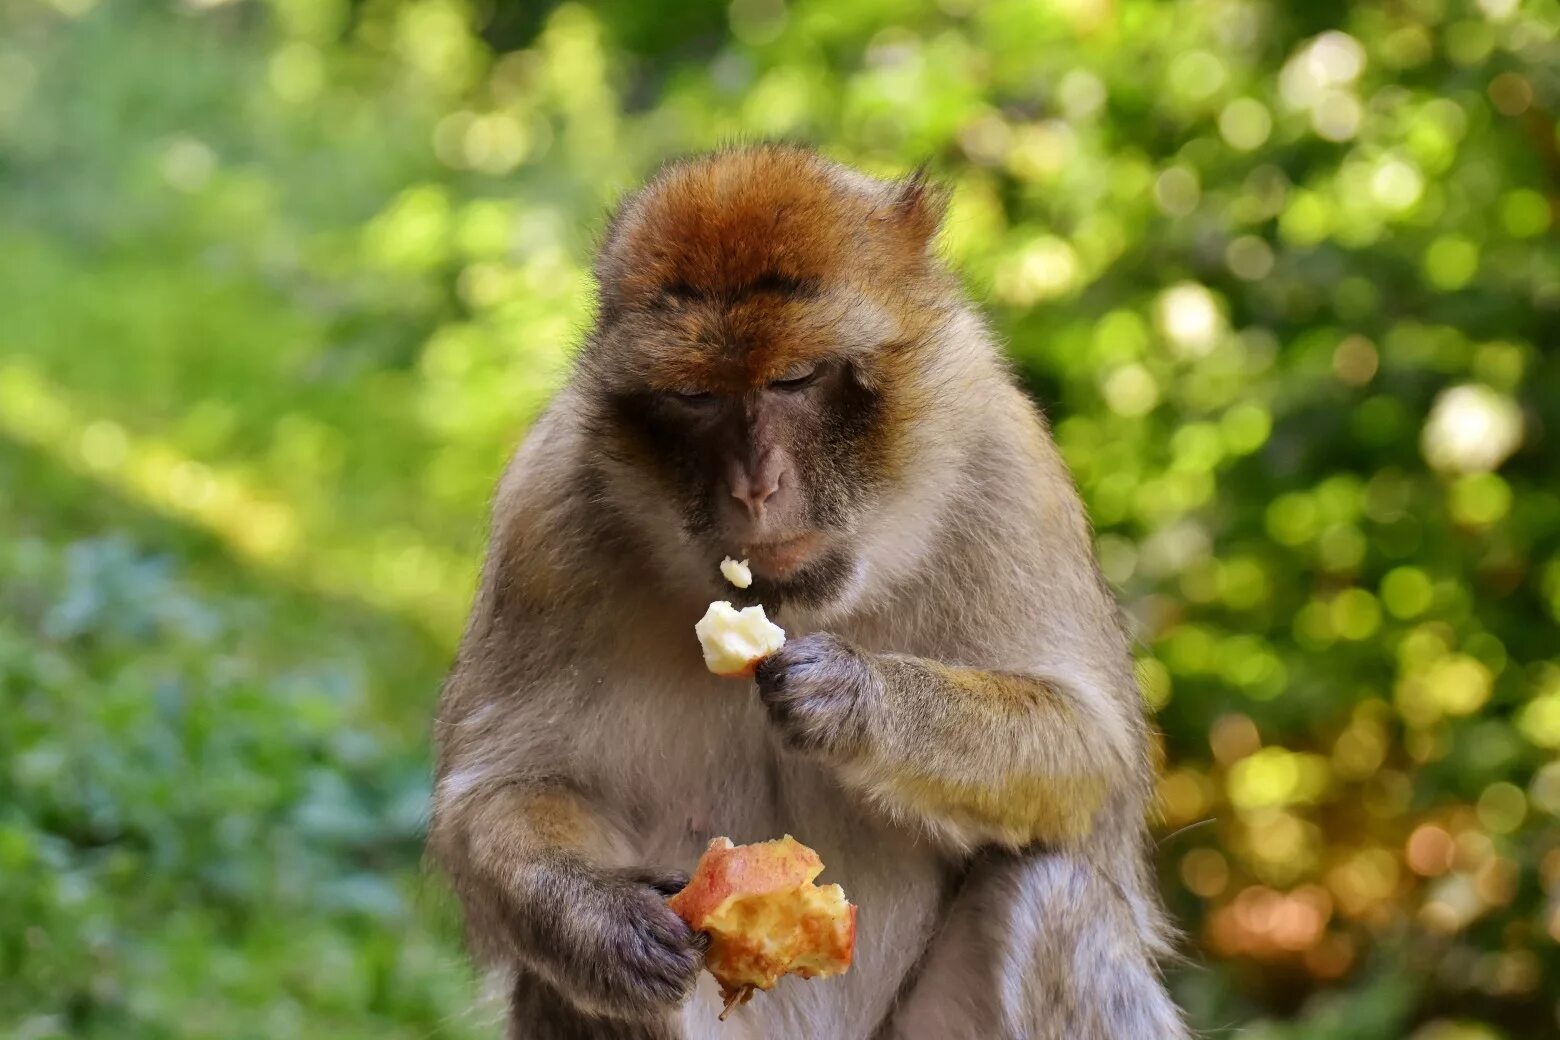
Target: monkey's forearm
512 850
539 879
991 756
979 757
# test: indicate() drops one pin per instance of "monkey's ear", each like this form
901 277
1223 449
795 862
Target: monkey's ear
917 206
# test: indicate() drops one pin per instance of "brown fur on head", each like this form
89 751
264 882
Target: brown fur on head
732 248
767 329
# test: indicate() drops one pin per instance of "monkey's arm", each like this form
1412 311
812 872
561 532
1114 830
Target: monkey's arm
978 757
547 881
546 875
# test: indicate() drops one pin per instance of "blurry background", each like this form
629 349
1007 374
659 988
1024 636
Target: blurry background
282 282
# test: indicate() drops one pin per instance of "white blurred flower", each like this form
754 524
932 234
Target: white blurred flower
1471 429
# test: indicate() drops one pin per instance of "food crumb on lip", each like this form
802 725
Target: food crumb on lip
737 572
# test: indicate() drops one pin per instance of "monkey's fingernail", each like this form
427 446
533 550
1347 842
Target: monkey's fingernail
669 884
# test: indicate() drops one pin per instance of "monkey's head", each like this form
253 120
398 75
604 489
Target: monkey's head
766 343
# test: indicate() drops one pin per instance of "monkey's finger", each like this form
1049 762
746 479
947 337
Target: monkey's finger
770 673
793 699
791 723
666 882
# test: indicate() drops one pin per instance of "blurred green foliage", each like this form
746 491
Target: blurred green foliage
284 280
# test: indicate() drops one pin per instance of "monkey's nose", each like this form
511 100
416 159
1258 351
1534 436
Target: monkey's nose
754 489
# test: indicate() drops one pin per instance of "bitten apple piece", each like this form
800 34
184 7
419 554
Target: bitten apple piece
765 917
734 641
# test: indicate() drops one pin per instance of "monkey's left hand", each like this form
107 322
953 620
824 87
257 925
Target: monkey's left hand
819 691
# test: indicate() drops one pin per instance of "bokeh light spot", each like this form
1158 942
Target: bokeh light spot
1232 738
1471 428
1451 262
1525 213
1130 391
1177 191
1205 872
1249 258
1355 360
1430 851
1245 124
1407 592
1502 807
1189 317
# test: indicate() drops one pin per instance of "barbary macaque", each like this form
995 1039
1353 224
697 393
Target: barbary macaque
780 371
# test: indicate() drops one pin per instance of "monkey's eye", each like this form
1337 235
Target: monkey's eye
799 377
691 396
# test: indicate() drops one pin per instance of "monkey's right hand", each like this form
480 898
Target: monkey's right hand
620 951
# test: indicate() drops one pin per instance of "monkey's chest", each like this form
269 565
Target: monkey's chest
695 762
689 761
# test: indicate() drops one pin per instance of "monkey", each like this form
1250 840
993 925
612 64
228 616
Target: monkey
781 369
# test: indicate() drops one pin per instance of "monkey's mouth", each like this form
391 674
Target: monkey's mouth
779 560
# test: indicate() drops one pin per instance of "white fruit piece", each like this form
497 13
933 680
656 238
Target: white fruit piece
734 641
738 573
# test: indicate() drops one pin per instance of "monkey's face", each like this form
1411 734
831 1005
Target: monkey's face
752 368
782 474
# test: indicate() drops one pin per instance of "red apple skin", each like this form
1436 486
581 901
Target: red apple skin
747 671
748 870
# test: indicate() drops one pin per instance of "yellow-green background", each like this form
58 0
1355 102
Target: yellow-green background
282 281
